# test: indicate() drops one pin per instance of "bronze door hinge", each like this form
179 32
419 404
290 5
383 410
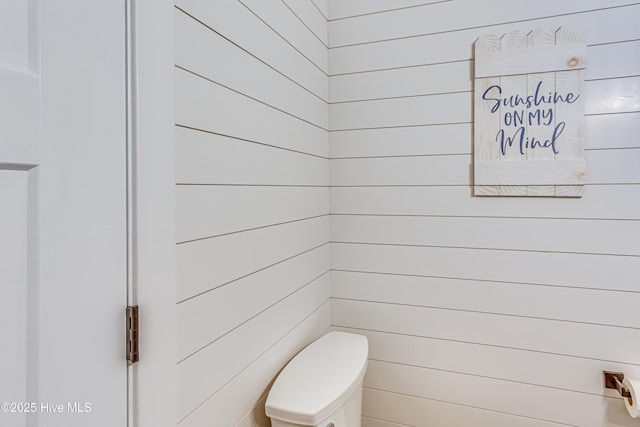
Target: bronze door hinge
132 334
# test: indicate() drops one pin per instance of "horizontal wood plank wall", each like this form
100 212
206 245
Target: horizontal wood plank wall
252 200
496 312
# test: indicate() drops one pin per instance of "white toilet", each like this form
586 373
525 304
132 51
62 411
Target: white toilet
322 385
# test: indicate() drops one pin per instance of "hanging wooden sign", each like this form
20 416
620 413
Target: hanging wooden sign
529 114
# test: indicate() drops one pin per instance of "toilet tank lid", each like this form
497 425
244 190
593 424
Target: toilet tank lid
319 379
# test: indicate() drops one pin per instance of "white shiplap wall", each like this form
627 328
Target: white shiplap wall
479 312
252 200
496 312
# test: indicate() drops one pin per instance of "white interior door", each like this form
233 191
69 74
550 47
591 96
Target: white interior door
63 263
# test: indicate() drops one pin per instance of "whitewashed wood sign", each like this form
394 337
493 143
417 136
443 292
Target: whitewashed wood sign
529 114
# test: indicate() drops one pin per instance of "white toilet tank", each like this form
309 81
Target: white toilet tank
322 385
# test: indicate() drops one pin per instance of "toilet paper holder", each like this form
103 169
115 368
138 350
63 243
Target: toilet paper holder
614 380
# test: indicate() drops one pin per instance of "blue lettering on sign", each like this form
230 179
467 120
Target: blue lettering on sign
533 110
528 143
